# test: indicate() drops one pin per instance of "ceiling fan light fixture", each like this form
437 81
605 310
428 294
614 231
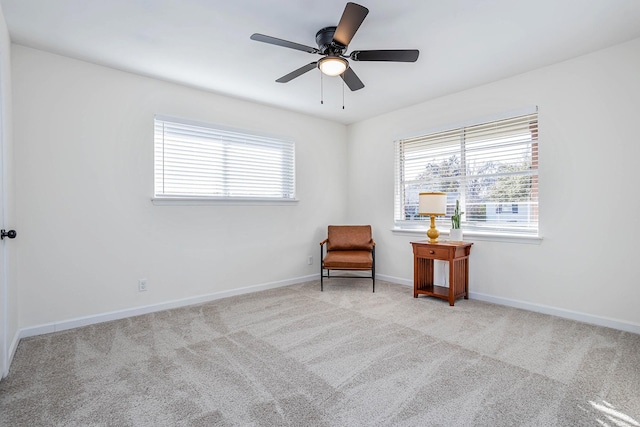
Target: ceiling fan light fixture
332 65
332 44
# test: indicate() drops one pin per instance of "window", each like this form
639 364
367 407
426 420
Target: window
492 168
194 160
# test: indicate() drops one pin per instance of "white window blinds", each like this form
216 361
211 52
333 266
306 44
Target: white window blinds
199 161
492 168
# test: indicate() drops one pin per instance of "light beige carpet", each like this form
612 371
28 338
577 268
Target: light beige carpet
345 357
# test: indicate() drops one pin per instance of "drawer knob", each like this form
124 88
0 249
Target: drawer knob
432 252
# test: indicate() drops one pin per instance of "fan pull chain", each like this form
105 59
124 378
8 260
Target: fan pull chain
343 94
321 90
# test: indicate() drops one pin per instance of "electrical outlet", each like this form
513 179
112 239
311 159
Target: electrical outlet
310 260
142 285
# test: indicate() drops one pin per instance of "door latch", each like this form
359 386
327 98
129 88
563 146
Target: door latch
10 234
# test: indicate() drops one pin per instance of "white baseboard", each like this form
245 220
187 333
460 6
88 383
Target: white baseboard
137 311
539 308
392 279
560 312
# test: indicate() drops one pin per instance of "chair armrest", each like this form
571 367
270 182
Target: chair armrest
373 242
324 241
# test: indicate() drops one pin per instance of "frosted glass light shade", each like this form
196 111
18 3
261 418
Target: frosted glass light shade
332 66
433 203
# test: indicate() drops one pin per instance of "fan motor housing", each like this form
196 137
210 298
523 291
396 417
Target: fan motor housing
324 40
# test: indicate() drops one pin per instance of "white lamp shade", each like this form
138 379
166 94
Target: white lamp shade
433 203
332 66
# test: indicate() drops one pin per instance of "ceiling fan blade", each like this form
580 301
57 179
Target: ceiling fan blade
297 73
385 55
350 21
283 43
351 79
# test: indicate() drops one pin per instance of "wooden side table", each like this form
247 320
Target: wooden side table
457 253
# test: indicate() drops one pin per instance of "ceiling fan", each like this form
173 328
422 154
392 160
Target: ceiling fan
332 44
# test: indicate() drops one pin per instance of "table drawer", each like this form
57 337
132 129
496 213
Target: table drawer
433 253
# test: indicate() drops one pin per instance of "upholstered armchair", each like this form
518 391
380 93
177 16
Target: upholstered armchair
349 247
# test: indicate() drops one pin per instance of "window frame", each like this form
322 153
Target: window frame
238 137
527 233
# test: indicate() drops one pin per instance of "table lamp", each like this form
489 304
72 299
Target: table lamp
433 204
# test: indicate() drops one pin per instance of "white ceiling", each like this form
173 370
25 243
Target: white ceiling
205 43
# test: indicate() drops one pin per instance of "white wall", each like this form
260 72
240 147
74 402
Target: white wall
84 178
589 109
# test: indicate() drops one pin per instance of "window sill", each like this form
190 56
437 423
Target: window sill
209 201
474 235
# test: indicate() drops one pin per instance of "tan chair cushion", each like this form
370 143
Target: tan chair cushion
348 260
349 238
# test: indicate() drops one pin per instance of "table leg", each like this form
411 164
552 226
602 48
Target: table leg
452 283
466 278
